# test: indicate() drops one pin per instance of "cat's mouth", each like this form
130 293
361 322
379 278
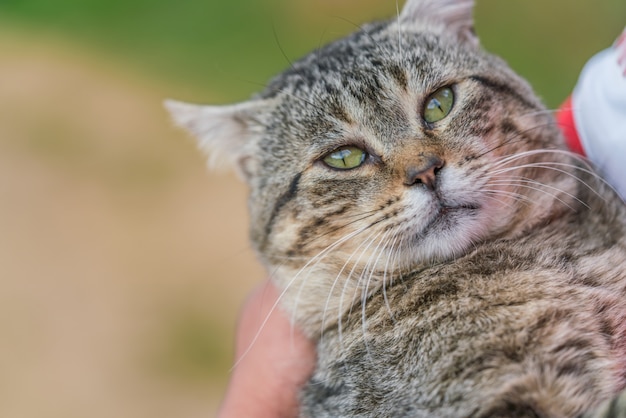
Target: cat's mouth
448 230
446 216
447 209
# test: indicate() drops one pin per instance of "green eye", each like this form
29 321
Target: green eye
345 158
438 105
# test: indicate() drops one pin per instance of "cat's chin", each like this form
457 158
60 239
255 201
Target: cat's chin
450 214
448 233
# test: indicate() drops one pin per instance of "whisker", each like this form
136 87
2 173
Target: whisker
335 281
339 327
540 112
280 47
318 258
537 189
534 152
331 291
389 257
289 284
364 216
347 282
400 49
364 271
523 182
544 165
365 292
509 140
517 196
361 29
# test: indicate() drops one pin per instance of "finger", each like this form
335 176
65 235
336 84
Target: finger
273 361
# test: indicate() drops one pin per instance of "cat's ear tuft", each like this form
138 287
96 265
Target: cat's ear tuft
228 134
455 16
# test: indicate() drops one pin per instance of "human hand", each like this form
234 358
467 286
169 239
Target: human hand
271 364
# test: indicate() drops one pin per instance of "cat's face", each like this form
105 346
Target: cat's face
400 145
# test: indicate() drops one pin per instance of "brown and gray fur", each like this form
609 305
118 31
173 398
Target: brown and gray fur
492 284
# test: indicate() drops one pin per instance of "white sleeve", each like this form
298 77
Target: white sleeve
599 107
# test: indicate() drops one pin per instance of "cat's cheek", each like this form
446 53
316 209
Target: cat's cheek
285 246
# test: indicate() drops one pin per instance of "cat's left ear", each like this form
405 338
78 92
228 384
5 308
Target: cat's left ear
229 134
454 16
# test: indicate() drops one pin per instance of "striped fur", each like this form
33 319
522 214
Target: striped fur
496 290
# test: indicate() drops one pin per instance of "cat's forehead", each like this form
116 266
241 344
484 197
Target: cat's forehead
369 60
373 80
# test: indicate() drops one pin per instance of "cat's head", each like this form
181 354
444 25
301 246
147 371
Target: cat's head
401 144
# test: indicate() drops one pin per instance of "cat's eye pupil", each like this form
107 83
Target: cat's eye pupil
438 105
345 158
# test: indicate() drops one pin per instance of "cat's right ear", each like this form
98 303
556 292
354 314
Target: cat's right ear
454 16
227 134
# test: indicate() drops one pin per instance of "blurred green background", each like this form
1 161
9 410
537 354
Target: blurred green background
229 48
122 261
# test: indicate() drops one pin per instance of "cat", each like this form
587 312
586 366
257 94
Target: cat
417 207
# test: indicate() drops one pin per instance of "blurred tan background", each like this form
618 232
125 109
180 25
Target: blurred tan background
122 260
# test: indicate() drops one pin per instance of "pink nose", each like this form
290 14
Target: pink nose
424 173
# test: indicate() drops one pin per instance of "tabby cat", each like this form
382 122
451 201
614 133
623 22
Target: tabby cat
417 207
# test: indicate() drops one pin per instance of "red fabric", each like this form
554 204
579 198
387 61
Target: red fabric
565 121
620 44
